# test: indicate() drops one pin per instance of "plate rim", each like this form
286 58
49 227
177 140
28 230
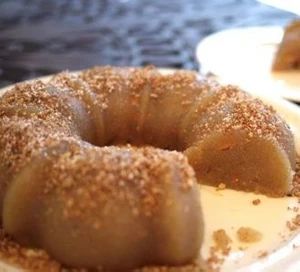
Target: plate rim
206 67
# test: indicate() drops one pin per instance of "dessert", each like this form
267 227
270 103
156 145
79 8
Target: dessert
96 210
80 179
288 54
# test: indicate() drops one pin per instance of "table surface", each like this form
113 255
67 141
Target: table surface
43 37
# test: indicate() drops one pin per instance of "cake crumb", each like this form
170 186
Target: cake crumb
220 249
295 209
248 235
294 223
256 201
214 261
221 186
262 254
242 248
222 241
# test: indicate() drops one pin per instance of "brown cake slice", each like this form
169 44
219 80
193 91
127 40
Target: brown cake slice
288 53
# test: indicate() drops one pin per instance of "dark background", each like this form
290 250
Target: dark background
42 37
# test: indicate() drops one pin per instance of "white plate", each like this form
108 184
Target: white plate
230 210
243 56
288 5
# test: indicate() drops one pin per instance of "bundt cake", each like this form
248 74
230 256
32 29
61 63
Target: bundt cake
287 56
99 168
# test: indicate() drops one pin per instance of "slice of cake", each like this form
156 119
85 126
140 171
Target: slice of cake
288 53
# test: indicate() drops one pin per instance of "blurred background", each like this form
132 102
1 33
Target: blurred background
42 37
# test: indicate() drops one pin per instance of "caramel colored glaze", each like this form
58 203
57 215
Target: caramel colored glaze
71 187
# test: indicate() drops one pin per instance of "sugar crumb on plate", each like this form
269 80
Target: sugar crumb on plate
256 202
219 250
248 235
222 241
294 223
221 186
262 254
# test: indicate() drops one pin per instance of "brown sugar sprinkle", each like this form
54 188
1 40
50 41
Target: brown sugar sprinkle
78 88
256 201
98 175
22 138
148 89
27 258
248 235
35 100
238 110
106 82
